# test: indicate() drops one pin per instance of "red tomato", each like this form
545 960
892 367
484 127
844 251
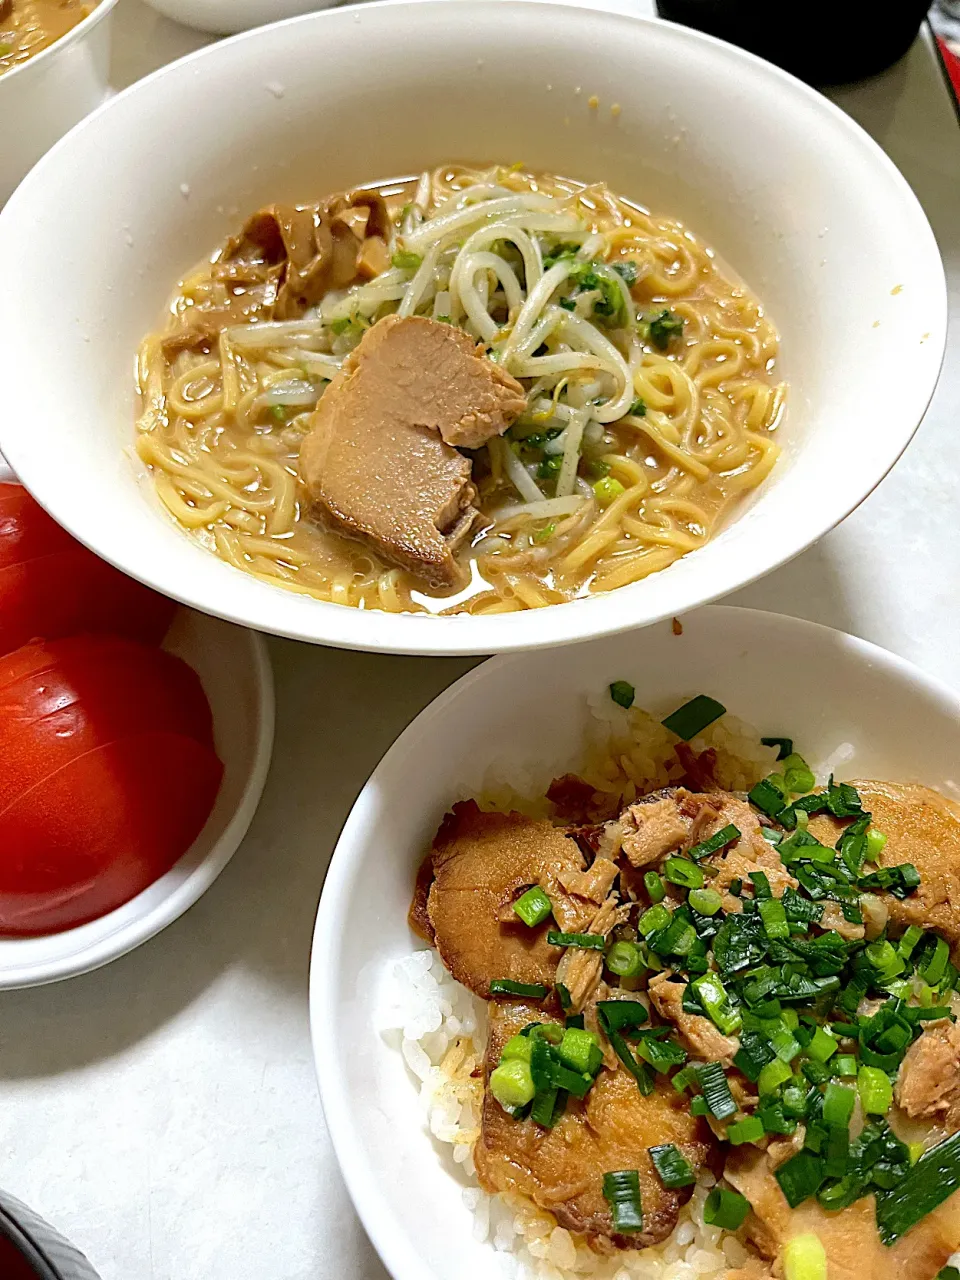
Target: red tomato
51 586
62 698
101 829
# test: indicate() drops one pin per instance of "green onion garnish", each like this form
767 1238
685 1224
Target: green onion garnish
800 1177
925 1186
621 1190
875 1089
726 1209
580 1051
683 872
654 886
671 1165
716 1091
706 902
838 1103
748 1130
663 327
715 1000
694 716
506 987
511 1083
767 797
406 261
797 775
533 907
587 941
822 1047
948 1273
876 843
623 694
773 1075
774 917
653 920
625 959
753 1055
804 1258
725 836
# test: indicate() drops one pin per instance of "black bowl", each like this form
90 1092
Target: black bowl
823 42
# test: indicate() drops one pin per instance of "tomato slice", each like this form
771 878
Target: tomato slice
70 591
60 699
101 829
26 531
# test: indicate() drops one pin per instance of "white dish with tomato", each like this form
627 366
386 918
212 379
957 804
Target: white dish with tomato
134 743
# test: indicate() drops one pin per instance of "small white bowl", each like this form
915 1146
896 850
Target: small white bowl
781 675
234 668
45 96
788 189
224 17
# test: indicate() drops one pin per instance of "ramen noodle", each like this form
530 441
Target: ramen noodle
648 374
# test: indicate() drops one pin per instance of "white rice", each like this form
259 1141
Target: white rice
442 1025
442 1028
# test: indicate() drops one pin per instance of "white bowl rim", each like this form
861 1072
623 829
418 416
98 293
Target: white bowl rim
578 620
119 942
86 24
323 995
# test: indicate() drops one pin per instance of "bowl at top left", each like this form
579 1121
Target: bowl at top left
831 239
234 669
50 92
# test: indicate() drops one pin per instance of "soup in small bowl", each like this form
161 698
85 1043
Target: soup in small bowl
604 439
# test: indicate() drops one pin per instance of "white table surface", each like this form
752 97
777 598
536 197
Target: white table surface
163 1112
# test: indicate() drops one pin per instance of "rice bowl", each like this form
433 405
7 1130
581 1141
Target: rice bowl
408 1189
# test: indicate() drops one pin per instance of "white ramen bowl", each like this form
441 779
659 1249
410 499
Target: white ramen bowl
234 669
45 96
806 208
833 694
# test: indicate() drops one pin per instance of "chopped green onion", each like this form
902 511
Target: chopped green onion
653 920
838 1103
715 1000
638 409
761 885
683 872
706 902
748 1130
506 987
627 270
622 693
948 1273
884 959
753 1055
785 1045
621 1190
654 886
607 489
564 996
924 1187
785 746
773 1075
533 907
822 1046
586 941
911 936
845 1064
549 467
625 959
716 1091
804 1258
933 969
671 1165
876 841
726 835
800 1177
797 775
661 1054
875 1089
511 1083
406 261
774 917
767 797
517 1047
725 1209
694 716
580 1051
546 533
548 1106
662 328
